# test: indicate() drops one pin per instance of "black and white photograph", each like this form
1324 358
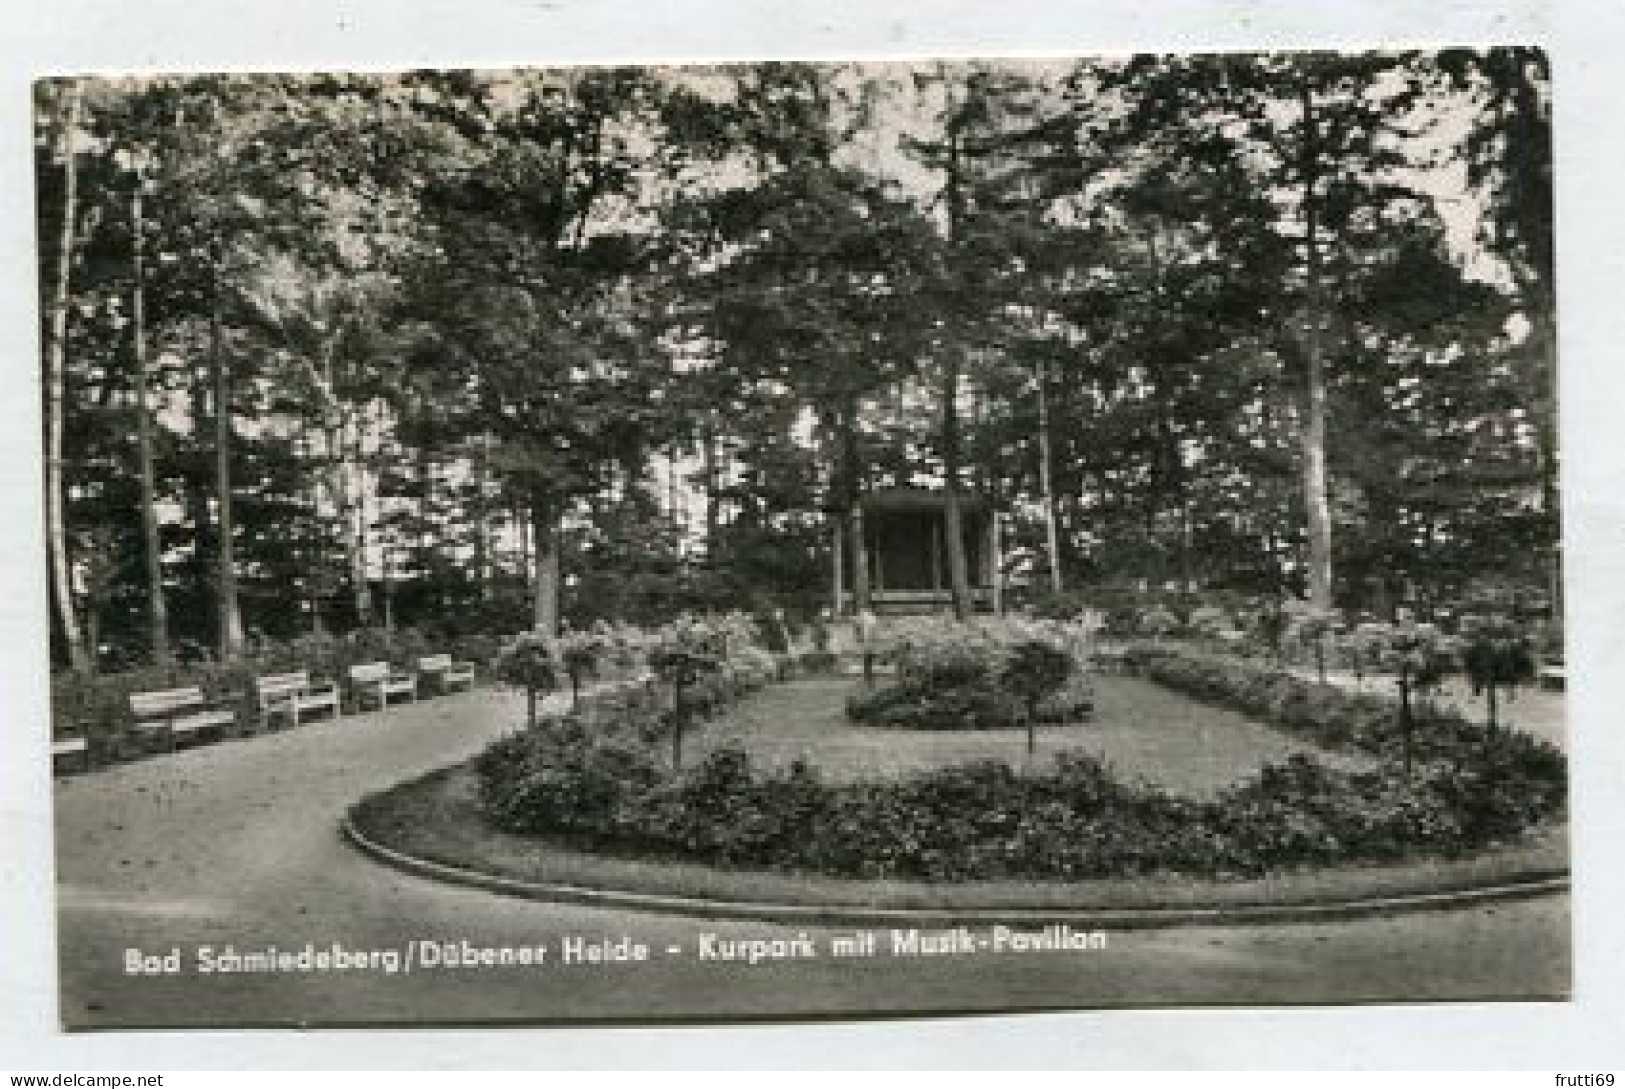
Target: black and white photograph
780 540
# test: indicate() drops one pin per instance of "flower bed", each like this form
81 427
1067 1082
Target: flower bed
594 784
1335 718
650 679
960 677
986 820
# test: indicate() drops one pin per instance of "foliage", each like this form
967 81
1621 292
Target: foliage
1072 820
98 707
472 337
1158 621
978 675
1310 627
1498 645
1339 719
580 653
530 662
1036 670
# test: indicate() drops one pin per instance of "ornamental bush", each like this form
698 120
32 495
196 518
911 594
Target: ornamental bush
1337 719
959 676
1072 820
1498 651
591 779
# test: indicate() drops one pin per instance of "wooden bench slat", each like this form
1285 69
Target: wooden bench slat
379 680
291 694
166 702
446 671
172 712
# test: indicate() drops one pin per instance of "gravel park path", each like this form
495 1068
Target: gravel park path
238 844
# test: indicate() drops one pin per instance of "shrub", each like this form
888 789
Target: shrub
531 663
98 707
1034 672
1498 651
959 676
1158 622
560 775
1335 718
984 819
591 778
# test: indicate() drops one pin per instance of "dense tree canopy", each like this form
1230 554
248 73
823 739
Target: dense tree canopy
522 349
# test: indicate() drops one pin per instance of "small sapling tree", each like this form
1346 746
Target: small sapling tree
1272 622
682 657
580 653
1498 651
1035 671
529 663
1158 621
1311 627
1418 656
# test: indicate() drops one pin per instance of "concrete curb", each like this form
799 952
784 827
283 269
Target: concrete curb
1536 884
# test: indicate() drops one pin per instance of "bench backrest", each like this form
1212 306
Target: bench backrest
434 663
368 672
169 701
280 684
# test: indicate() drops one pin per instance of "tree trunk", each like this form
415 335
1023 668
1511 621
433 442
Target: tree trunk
953 523
356 503
388 580
433 581
1543 414
862 598
1046 484
1405 717
56 384
230 614
482 518
852 479
1316 503
157 611
545 587
713 511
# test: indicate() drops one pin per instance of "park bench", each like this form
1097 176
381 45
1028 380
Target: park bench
292 694
65 748
1112 659
446 673
174 713
379 681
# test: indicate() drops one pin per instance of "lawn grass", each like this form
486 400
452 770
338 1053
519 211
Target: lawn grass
437 818
1141 730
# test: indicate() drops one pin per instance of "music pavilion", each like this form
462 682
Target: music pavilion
904 533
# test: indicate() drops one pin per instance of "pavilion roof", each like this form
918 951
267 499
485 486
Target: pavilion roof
916 499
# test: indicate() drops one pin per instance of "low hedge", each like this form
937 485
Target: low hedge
978 675
977 705
1335 718
603 789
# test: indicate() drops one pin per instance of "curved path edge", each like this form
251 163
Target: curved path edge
1536 884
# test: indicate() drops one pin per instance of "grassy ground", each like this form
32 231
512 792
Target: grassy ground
1141 730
